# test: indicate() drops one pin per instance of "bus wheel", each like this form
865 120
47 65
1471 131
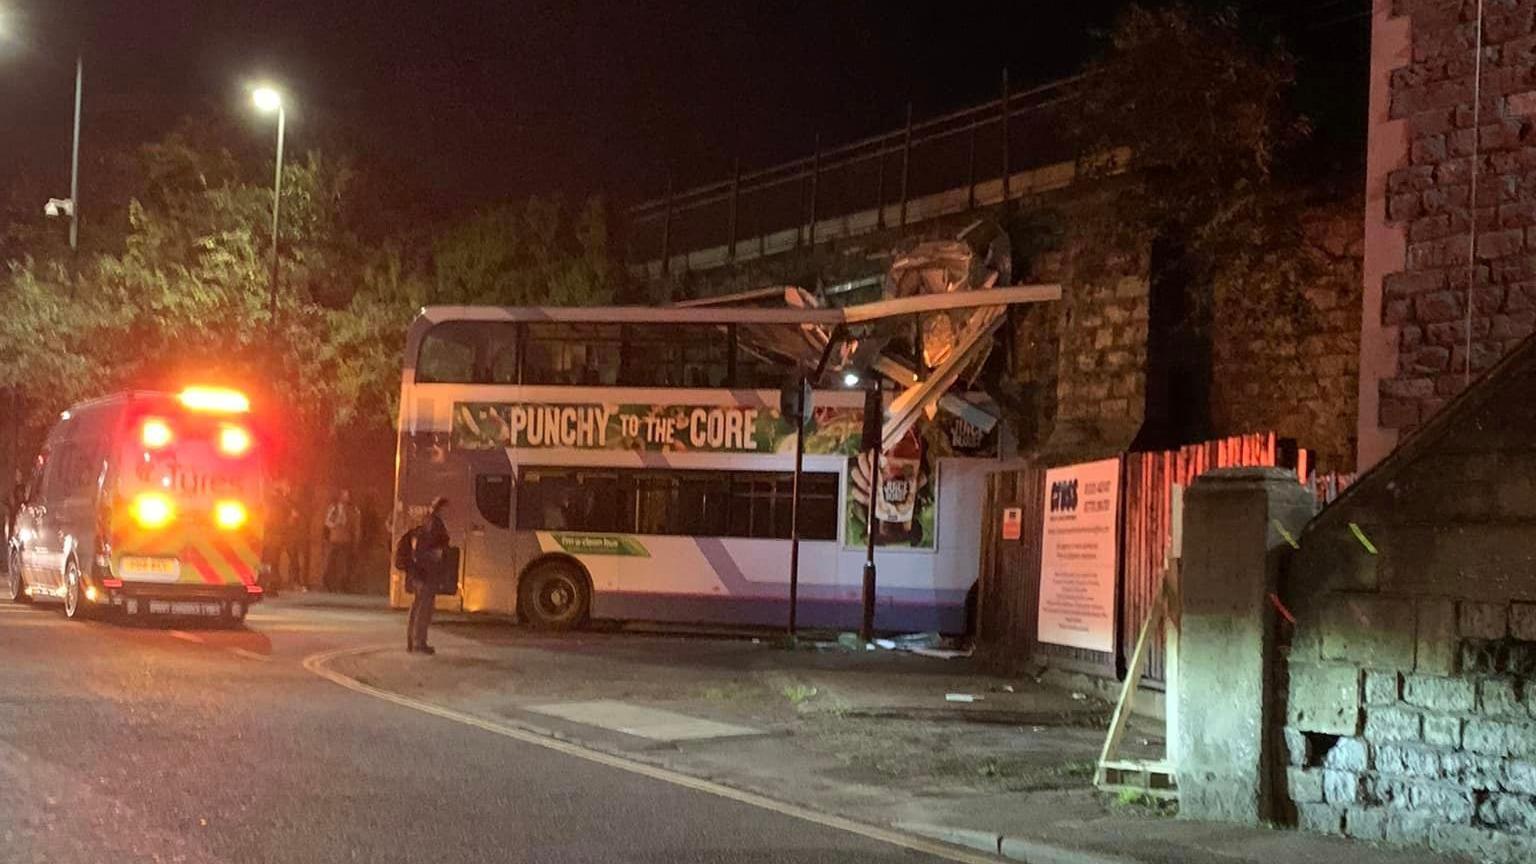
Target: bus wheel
16 586
75 606
554 596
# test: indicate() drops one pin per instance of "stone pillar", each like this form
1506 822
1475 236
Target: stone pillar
1232 554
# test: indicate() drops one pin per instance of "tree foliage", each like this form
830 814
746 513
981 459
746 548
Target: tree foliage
183 288
1203 110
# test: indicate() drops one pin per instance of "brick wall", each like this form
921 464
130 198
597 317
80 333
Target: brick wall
1411 691
1439 252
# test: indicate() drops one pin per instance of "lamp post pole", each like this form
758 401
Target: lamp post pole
269 100
74 162
277 205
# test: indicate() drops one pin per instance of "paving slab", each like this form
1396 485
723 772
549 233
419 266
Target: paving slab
642 722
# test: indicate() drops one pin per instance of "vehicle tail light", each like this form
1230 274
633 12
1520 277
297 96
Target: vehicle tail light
234 440
153 510
156 433
230 515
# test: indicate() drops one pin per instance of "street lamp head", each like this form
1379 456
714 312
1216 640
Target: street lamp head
267 99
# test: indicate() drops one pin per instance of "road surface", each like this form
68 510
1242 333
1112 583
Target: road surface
123 744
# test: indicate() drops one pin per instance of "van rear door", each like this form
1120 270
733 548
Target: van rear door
189 496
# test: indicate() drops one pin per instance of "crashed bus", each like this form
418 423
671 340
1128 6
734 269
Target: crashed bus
144 502
637 464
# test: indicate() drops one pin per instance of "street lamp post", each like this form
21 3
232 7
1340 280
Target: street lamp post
74 165
268 100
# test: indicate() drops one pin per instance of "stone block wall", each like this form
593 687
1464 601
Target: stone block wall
1384 742
1410 697
1101 386
1287 355
1434 254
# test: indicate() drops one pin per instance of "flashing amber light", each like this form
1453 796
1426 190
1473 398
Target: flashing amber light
153 510
156 433
234 441
230 515
215 400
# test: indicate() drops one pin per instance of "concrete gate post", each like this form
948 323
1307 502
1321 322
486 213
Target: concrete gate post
1232 553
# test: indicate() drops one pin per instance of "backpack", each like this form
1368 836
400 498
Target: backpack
405 551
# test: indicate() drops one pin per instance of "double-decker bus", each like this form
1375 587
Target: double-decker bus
633 463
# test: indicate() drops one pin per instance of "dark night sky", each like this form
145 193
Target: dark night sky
481 99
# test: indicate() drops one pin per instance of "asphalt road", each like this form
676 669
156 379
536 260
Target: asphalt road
124 744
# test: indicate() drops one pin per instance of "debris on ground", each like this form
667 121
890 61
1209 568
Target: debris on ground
940 653
961 697
929 644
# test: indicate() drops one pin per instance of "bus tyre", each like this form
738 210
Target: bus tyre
554 596
76 608
15 585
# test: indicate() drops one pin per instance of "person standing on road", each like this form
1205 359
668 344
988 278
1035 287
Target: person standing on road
340 521
427 559
18 498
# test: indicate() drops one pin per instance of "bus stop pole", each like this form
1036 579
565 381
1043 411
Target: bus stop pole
802 406
794 511
872 408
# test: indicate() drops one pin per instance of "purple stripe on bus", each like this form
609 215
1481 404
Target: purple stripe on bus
738 585
768 612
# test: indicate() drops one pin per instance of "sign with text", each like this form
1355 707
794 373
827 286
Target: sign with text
675 428
1013 523
1079 556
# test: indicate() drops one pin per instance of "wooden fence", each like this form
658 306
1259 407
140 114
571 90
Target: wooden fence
1009 595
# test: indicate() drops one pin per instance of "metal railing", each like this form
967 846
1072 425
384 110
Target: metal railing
972 154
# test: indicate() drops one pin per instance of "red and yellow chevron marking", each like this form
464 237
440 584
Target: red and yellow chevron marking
208 556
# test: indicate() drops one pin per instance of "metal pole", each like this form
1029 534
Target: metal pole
794 507
880 189
730 250
906 164
277 204
970 173
666 231
74 159
1007 169
872 406
815 177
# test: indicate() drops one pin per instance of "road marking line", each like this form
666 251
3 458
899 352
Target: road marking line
186 637
250 655
318 664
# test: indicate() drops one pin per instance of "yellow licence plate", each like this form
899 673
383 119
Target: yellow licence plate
150 569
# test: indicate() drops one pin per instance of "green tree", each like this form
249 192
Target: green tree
1186 117
539 253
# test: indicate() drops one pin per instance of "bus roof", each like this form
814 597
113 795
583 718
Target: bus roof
693 314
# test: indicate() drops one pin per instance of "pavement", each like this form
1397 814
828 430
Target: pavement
173 742
869 736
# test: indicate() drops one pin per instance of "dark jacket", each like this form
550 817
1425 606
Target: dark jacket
430 550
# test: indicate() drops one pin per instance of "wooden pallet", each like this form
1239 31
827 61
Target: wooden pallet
1155 779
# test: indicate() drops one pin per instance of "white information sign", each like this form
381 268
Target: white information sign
1079 556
